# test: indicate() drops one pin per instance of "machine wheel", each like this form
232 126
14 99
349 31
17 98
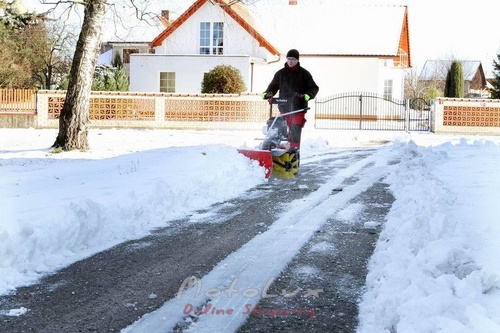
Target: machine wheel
286 165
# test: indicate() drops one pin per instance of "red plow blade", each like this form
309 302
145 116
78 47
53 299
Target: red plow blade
264 158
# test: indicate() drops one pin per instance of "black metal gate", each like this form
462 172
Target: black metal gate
368 111
419 115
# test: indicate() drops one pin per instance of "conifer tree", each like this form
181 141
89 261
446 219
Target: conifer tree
495 91
454 85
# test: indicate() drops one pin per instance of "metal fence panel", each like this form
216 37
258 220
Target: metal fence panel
367 111
419 115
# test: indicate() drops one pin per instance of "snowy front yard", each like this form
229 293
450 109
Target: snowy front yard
434 267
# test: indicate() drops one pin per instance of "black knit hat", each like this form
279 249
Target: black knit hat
293 53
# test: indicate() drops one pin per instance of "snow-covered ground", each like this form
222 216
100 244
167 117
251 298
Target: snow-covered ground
434 267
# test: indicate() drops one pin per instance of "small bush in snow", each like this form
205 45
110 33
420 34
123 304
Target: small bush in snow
223 79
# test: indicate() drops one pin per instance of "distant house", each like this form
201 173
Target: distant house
123 50
434 74
345 47
126 47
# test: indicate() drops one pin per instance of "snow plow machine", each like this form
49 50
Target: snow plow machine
274 153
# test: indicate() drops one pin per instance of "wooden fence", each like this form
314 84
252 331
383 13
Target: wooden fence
17 101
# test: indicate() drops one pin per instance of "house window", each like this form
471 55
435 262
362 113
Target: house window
218 34
211 37
127 53
388 89
167 82
205 38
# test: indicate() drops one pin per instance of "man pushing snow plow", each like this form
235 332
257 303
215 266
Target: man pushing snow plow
276 153
296 87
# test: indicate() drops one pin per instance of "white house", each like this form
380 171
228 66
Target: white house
345 47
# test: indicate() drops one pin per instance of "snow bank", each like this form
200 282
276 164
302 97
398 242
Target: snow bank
59 211
426 274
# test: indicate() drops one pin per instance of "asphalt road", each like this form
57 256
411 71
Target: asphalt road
109 291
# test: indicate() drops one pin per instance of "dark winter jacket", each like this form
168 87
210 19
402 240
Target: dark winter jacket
293 84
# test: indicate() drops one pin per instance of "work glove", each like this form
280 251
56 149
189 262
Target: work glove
307 97
267 95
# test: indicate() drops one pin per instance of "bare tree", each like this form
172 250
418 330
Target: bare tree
74 117
56 58
413 87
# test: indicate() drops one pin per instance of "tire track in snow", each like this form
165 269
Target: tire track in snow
226 295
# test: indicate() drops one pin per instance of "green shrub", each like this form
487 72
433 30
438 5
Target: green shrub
223 79
431 93
106 78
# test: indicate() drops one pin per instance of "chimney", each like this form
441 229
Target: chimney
166 15
292 2
165 18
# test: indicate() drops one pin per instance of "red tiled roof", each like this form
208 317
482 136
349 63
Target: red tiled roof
324 30
236 11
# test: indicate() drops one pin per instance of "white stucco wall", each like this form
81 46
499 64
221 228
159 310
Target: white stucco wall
145 70
338 74
332 74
